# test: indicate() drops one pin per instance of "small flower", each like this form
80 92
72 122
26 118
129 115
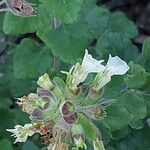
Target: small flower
78 136
98 145
57 144
95 112
79 73
21 133
45 82
27 103
89 65
114 66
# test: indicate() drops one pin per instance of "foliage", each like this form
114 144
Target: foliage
55 39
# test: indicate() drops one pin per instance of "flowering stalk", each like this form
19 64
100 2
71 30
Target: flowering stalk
61 114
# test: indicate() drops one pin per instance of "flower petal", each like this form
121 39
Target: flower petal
116 66
45 82
90 64
21 133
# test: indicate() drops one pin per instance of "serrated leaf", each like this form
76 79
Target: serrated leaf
121 24
117 117
31 60
136 76
116 45
144 59
65 10
134 104
96 18
129 107
67 42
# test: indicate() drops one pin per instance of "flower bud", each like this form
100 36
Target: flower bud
45 82
67 110
95 112
78 136
98 145
37 114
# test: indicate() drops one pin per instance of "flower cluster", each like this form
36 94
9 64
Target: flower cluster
18 7
62 113
78 73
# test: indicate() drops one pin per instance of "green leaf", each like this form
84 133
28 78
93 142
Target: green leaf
134 104
117 117
28 145
3 43
5 102
7 120
129 107
136 124
120 133
136 139
96 18
116 45
31 60
67 42
146 86
65 10
5 144
21 117
105 132
88 128
121 24
136 76
114 87
19 87
144 59
1 22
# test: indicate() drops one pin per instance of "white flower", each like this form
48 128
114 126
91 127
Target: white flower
89 65
21 133
114 66
45 82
